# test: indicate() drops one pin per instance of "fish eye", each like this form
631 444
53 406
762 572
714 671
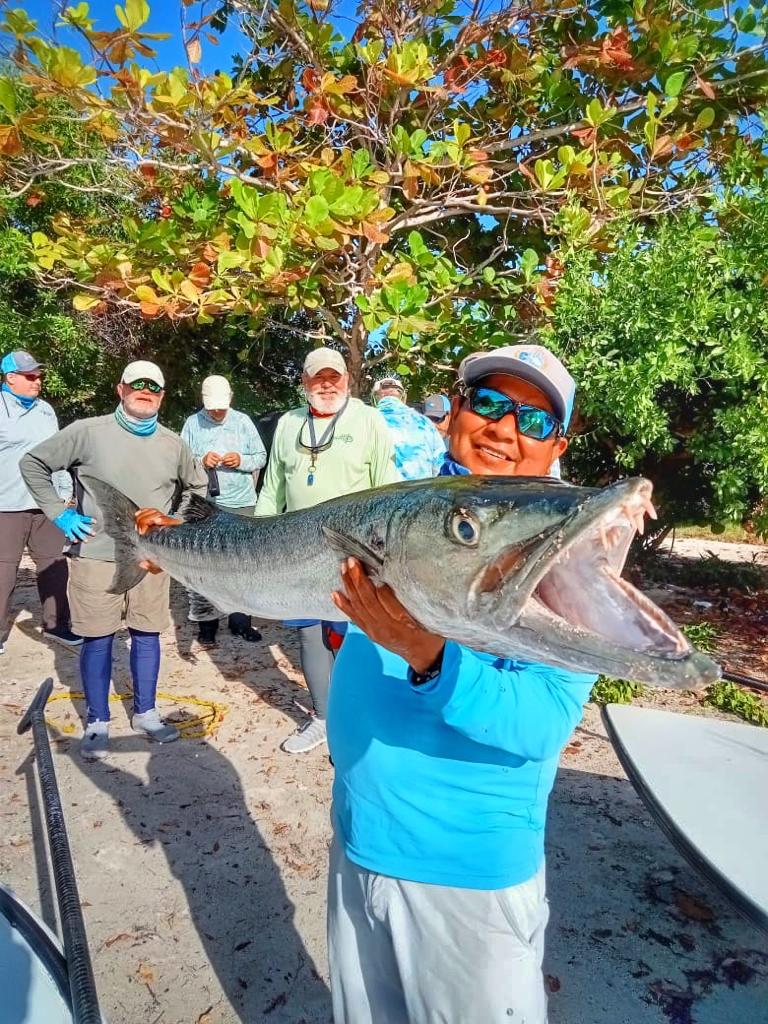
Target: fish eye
465 529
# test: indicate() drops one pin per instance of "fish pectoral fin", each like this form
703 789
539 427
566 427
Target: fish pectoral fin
198 509
350 548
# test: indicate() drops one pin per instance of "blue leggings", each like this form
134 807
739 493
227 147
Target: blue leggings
96 671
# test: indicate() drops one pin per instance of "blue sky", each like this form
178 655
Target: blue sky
164 18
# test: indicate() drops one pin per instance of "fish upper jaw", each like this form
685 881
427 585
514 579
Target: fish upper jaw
508 580
564 588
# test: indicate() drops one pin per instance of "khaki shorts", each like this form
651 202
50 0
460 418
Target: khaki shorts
98 613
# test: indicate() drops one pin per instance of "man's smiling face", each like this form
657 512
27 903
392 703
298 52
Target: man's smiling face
496 447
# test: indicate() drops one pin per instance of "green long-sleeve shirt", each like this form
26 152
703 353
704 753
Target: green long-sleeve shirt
154 471
361 456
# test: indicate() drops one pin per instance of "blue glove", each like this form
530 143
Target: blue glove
73 525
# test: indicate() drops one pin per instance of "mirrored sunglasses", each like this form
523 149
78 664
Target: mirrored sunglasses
532 422
145 385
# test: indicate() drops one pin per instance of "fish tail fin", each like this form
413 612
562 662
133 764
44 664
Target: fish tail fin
117 513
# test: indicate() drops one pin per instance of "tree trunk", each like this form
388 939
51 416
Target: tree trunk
356 343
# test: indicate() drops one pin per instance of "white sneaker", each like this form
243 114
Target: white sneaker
306 737
95 742
151 725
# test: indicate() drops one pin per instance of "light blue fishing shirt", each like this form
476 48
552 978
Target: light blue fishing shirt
447 783
22 428
236 434
419 448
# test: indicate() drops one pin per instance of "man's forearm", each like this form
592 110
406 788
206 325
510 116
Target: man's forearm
38 476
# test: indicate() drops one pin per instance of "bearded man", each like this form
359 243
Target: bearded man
333 445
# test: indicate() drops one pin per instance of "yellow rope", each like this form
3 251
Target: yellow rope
204 725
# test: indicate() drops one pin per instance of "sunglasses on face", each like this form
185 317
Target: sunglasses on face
28 376
532 422
145 385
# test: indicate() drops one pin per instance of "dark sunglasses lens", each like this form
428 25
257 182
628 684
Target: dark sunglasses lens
491 404
535 423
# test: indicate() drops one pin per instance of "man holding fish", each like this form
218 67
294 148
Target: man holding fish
444 760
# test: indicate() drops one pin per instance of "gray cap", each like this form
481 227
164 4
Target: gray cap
533 363
437 407
19 362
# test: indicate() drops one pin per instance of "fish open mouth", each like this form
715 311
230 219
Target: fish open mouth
580 586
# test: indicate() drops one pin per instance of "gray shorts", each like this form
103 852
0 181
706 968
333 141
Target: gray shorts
411 953
97 613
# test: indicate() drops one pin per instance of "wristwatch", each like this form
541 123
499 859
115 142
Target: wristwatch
419 678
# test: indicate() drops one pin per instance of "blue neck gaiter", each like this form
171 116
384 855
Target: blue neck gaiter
142 428
451 467
21 399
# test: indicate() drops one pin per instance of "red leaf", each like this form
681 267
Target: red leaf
34 200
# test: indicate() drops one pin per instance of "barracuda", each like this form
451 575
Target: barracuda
526 568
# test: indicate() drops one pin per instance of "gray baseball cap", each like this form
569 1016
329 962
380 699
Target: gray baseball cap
20 362
533 363
437 407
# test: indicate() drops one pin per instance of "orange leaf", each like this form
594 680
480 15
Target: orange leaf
586 136
318 112
310 79
373 234
200 274
268 163
706 87
149 310
10 141
148 171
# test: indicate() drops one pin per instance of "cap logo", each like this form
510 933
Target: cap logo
534 358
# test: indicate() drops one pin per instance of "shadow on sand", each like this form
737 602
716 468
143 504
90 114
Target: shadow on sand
247 664
194 806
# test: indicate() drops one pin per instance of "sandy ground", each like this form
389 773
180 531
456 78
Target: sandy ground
201 864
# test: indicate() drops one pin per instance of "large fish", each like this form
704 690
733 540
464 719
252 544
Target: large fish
526 568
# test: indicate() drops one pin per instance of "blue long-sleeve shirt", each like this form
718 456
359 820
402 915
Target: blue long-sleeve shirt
237 433
447 783
22 428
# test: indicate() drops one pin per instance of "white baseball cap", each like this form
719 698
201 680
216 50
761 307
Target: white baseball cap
217 393
324 359
142 369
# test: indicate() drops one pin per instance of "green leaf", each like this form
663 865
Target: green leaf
136 14
7 97
316 211
674 83
489 275
529 261
705 119
403 370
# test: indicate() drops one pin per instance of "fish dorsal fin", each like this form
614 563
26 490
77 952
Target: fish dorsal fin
350 548
198 509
